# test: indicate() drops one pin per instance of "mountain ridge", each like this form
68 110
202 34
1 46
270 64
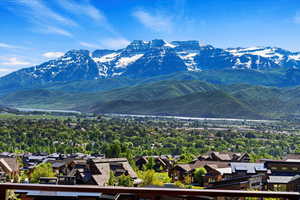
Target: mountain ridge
146 59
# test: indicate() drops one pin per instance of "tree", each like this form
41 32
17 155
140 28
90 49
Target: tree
42 170
124 180
112 179
149 178
150 164
199 173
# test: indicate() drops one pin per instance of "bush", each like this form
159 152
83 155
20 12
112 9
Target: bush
198 174
42 170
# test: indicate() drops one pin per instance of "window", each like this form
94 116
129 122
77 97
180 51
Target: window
210 180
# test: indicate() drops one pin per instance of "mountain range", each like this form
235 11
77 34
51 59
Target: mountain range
165 78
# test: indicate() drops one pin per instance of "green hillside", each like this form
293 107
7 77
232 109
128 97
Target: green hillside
170 97
205 104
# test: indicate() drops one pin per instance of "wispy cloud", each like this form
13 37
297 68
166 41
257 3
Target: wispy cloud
55 30
90 45
170 20
5 71
39 11
9 46
42 17
114 43
155 22
13 61
52 55
107 43
85 8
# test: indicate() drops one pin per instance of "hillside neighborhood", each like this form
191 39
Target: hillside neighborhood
220 170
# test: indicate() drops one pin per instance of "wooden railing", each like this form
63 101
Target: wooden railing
151 193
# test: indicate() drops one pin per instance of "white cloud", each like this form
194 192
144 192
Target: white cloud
87 9
114 43
44 18
90 45
56 30
13 61
5 71
9 46
109 43
36 10
157 23
82 9
52 55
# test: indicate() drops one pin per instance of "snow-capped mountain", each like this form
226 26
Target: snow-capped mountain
264 57
152 58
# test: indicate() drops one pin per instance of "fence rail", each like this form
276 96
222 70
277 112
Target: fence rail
146 192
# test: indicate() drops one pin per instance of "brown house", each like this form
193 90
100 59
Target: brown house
185 172
225 157
249 182
101 168
162 163
284 174
9 167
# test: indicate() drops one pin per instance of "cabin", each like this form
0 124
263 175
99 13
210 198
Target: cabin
249 182
225 157
241 176
9 167
284 174
101 168
185 172
162 163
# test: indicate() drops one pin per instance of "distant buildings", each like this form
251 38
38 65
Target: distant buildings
223 170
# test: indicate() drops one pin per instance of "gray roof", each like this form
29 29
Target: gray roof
250 168
280 179
102 178
109 160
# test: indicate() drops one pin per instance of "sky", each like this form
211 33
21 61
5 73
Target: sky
34 31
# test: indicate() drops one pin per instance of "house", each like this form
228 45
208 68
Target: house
249 182
284 174
61 166
185 172
225 157
162 163
101 168
241 176
9 167
292 157
244 169
80 170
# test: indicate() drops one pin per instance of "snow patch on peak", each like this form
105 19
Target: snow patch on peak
189 60
167 44
106 58
124 61
266 52
295 57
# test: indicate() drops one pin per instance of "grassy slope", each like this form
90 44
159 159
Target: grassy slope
172 97
204 104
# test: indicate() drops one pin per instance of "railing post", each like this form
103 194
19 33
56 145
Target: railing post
3 194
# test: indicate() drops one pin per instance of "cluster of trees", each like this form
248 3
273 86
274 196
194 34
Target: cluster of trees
125 137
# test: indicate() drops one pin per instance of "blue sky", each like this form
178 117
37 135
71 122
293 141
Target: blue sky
33 31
